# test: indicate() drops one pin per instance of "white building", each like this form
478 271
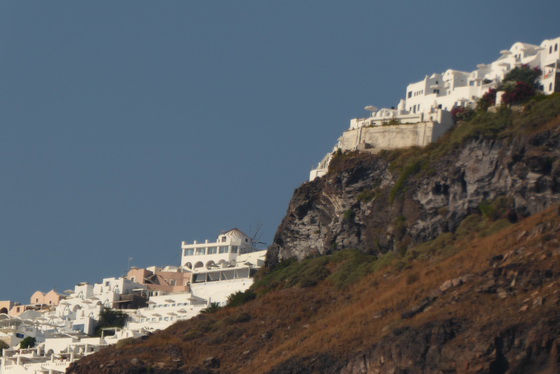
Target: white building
428 103
221 275
221 253
210 272
56 353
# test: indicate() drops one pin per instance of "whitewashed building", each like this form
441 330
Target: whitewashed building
427 103
221 253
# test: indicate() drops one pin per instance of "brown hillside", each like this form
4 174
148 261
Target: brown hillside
483 300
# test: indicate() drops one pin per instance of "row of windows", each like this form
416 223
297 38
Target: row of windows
167 305
417 93
555 48
211 250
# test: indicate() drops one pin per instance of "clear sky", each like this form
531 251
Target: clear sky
129 126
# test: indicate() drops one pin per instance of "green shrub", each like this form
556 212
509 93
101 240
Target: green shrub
240 297
110 318
348 215
211 308
443 244
487 210
524 74
290 273
472 224
496 226
411 168
27 342
352 265
384 261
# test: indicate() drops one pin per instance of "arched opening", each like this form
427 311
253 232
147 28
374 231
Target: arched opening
4 311
210 264
199 264
188 265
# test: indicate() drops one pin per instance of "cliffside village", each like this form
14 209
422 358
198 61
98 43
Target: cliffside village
153 298
424 114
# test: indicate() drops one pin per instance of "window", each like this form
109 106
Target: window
550 49
410 94
234 249
189 252
223 239
224 249
201 251
556 47
212 250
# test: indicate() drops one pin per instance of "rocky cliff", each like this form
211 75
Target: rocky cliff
394 200
440 260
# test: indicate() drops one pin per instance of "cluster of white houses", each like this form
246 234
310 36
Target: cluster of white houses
153 298
424 114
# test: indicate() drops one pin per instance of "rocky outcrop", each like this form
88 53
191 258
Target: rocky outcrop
365 202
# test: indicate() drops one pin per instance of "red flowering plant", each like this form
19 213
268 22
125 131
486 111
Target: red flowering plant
518 93
520 84
460 113
487 100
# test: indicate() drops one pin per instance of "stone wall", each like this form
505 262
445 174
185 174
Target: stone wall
392 136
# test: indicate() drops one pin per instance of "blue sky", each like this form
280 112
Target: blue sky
129 126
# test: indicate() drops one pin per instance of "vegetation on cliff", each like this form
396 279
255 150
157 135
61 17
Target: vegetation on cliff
443 264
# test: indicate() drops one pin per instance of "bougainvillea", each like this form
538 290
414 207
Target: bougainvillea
462 114
518 93
525 74
487 100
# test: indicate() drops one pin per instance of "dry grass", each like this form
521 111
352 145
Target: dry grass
304 322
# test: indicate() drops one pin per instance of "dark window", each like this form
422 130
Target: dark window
555 47
410 94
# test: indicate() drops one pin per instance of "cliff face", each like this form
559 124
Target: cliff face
367 203
482 297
